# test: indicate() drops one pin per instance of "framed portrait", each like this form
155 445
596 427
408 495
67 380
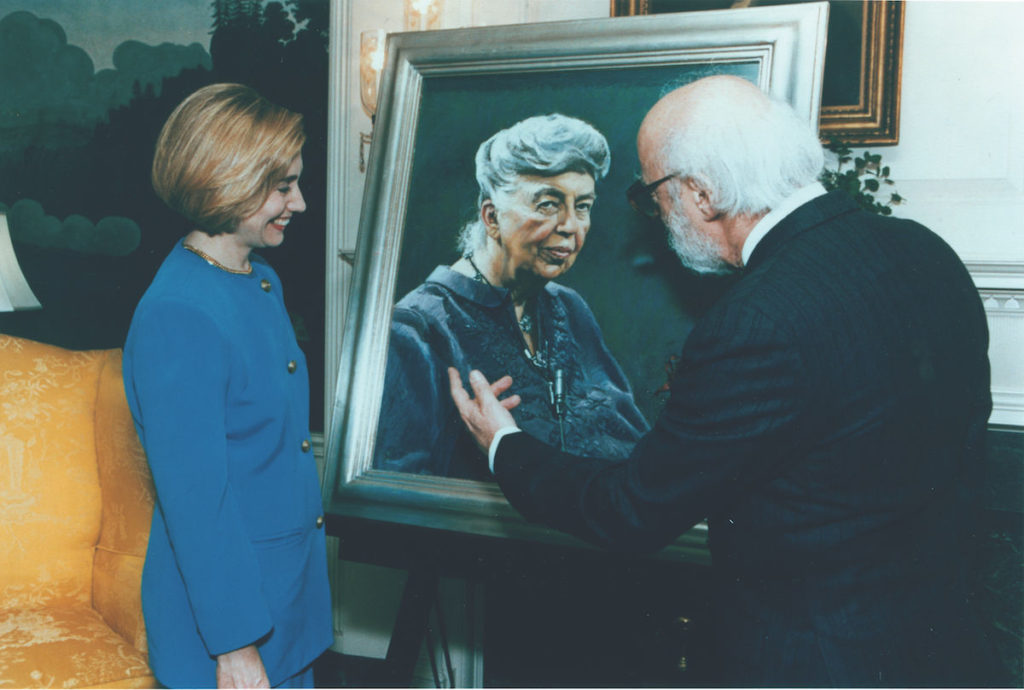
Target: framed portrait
442 94
860 101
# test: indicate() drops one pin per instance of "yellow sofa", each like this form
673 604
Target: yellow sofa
76 500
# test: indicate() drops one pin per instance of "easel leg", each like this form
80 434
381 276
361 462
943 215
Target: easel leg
410 629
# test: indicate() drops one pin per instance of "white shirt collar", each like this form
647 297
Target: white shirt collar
772 218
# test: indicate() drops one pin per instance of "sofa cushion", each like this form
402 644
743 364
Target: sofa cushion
68 647
49 487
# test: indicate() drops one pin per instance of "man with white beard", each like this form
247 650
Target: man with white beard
827 415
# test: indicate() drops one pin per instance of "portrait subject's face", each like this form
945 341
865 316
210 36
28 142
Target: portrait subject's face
543 223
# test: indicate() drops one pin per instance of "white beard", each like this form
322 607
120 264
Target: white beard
695 250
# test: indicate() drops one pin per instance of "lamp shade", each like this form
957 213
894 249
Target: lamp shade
15 294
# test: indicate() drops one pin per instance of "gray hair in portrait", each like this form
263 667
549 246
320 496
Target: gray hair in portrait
751 166
544 145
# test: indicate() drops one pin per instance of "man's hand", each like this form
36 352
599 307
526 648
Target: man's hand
242 668
483 414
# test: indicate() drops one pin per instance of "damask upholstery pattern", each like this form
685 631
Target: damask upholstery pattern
75 507
72 647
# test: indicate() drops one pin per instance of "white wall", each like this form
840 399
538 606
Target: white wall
960 164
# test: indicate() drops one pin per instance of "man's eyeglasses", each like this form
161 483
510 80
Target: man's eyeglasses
641 196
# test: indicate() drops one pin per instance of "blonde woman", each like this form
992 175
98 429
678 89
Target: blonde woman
234 587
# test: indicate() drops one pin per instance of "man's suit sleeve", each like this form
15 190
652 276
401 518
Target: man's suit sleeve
732 419
180 375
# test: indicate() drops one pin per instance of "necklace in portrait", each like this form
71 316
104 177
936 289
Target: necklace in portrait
525 321
539 359
213 262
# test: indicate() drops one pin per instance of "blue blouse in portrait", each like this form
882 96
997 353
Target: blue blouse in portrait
453 320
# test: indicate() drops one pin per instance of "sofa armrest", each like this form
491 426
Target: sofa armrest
127 488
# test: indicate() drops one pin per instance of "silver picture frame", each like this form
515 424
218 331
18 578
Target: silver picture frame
782 48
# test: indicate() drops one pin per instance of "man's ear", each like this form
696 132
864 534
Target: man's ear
489 217
703 198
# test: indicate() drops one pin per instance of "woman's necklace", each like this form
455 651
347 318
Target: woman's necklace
525 321
214 262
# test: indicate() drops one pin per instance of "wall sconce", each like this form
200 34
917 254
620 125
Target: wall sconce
371 62
423 15
15 294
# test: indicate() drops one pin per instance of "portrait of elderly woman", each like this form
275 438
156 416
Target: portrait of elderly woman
498 309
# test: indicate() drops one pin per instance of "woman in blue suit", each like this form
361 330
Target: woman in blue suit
234 588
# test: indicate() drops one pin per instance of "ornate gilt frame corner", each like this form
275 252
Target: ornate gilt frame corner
629 8
874 119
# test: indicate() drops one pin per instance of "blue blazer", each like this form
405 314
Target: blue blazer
219 392
827 417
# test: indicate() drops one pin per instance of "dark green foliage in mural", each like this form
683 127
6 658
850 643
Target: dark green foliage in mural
53 97
111 236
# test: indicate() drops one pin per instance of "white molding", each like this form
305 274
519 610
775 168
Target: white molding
1004 309
339 150
997 275
1000 303
1007 408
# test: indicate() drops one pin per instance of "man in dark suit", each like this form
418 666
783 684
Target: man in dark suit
827 416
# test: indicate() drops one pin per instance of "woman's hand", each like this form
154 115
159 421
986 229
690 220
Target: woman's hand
242 668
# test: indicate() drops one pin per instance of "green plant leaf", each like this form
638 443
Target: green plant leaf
862 181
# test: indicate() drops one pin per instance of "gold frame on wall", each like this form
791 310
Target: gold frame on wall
874 119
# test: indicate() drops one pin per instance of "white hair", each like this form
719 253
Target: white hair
544 145
750 158
696 250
